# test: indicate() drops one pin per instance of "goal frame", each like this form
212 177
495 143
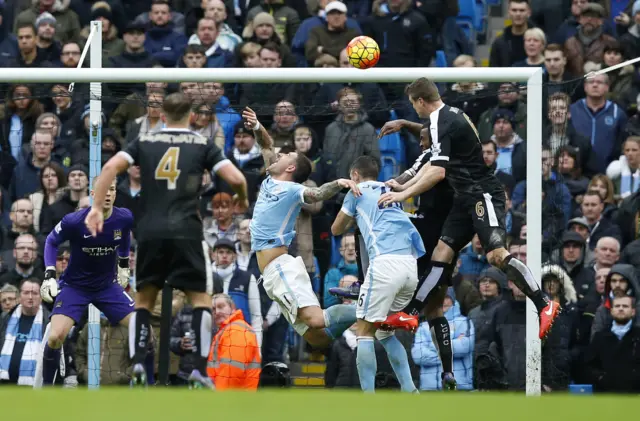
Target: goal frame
96 75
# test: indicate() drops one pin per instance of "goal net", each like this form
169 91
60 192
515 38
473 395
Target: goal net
332 115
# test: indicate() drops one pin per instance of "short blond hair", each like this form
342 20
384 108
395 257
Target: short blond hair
536 33
462 59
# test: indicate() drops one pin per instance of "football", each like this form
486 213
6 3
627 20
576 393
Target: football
363 52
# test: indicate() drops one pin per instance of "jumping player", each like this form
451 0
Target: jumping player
90 278
171 246
478 207
284 277
393 245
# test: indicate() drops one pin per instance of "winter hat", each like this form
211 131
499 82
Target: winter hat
78 167
45 17
240 128
504 114
101 10
495 275
225 243
263 18
572 237
581 220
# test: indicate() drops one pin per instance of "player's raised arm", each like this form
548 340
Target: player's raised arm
114 166
261 134
395 126
328 190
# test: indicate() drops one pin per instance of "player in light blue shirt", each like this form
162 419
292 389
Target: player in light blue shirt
285 278
393 245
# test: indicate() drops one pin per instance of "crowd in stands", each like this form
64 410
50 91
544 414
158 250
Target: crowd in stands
590 161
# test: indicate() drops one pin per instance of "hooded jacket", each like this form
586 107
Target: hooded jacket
603 318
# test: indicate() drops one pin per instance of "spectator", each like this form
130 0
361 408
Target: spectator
67 111
205 122
285 121
8 41
213 94
600 120
181 344
627 217
227 39
51 123
234 346
508 99
62 260
246 258
347 266
621 281
129 190
470 97
569 171
241 286
8 299
332 37
25 253
555 76
589 42
349 136
561 132
570 26
193 57
473 260
52 183
263 31
67 23
47 46
26 179
490 156
625 172
571 259
306 141
600 226
491 283
630 41
19 124
622 88
78 182
122 11
247 157
302 35
611 361
511 147
425 352
249 54
151 121
112 45
287 20
341 369
534 44
21 217
175 17
509 48
134 54
223 223
403 35
207 34
21 333
161 40
557 348
604 186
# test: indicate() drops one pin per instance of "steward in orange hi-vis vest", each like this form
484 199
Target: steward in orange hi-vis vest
234 359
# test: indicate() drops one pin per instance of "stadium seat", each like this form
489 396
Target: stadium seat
472 17
392 154
441 59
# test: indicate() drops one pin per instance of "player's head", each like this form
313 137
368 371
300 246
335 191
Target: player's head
290 165
364 168
176 109
425 136
222 308
110 198
424 96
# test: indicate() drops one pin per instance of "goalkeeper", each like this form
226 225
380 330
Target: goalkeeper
90 278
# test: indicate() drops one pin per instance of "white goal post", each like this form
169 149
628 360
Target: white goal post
532 76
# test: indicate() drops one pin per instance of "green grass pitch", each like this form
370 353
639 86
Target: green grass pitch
122 404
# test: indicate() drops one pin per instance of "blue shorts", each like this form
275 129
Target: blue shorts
112 301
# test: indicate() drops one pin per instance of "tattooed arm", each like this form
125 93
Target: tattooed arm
261 134
328 190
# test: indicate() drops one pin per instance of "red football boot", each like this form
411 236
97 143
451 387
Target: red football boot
547 317
399 321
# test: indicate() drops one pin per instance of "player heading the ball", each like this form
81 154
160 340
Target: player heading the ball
92 277
171 245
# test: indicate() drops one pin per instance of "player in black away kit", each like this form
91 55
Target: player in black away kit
434 205
171 246
478 207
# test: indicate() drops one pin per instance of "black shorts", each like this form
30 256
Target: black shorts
476 213
183 264
429 227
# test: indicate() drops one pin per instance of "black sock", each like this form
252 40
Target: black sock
437 273
359 256
140 331
518 273
440 329
201 326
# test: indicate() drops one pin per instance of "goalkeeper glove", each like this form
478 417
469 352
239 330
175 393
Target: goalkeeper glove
123 272
49 288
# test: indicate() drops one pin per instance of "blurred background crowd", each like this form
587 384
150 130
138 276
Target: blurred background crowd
590 161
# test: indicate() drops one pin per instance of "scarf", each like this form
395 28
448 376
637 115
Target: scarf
587 40
629 183
621 330
31 352
225 272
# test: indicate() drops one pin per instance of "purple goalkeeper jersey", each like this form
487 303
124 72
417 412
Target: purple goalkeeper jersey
93 264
